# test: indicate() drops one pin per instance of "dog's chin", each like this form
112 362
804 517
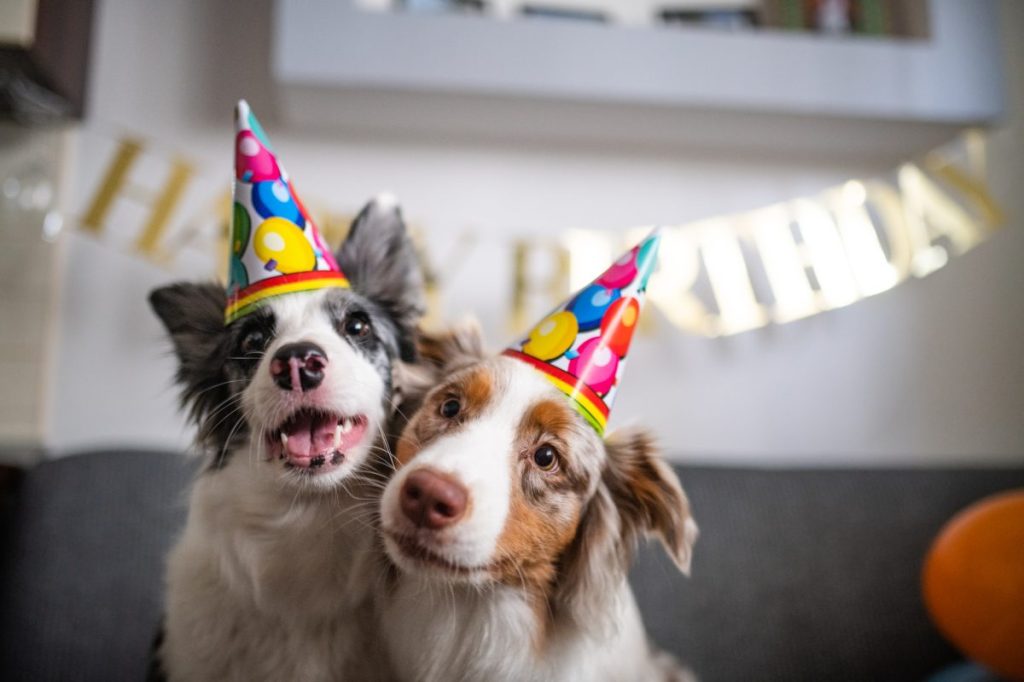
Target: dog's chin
413 557
316 448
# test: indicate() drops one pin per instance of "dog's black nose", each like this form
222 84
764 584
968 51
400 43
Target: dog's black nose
298 366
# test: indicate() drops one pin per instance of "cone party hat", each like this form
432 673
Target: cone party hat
275 246
581 346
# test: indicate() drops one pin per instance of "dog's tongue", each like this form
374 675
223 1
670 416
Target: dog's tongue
309 435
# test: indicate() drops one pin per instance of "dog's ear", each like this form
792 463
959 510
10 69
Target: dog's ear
439 353
380 261
593 566
648 496
637 495
452 348
194 317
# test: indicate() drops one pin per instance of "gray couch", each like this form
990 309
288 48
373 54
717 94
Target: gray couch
798 575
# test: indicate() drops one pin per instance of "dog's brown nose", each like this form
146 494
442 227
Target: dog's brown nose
433 500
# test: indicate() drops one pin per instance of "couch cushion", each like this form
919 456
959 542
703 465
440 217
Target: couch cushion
808 575
798 575
82 566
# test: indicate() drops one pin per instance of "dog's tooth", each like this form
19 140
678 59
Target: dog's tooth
338 430
284 439
346 425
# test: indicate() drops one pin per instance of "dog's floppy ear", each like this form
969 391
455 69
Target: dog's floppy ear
594 565
648 496
439 353
194 317
380 261
452 348
637 494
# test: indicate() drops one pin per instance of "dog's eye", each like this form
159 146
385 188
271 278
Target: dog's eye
253 342
357 324
546 458
450 408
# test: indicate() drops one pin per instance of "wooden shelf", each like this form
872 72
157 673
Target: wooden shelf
683 75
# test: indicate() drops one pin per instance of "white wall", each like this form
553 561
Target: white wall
930 371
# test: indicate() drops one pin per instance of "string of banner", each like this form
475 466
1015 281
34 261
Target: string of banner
716 277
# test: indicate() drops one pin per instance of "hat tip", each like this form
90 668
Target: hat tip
652 241
241 113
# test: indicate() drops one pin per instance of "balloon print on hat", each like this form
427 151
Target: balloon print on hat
622 271
272 198
553 336
591 303
253 162
282 246
238 277
285 253
618 324
646 259
595 365
581 347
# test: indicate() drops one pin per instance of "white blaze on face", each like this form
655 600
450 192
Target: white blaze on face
351 385
480 454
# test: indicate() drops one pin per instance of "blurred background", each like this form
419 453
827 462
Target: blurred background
526 141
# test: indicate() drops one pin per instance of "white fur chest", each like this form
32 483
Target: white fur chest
438 632
265 584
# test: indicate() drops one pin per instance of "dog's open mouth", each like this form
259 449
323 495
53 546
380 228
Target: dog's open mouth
316 441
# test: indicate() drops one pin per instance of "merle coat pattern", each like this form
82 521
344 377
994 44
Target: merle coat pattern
267 580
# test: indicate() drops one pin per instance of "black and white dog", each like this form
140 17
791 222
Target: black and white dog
269 580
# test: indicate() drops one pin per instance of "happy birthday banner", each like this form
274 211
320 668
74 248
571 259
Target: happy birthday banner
715 277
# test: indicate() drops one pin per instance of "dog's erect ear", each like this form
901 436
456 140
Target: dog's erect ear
194 317
648 495
380 261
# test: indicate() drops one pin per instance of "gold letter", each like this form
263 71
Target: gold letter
783 264
872 271
554 286
930 215
823 251
730 281
671 286
117 182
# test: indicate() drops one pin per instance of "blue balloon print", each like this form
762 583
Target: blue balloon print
591 303
273 199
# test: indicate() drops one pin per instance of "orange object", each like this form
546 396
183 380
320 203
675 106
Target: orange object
973 582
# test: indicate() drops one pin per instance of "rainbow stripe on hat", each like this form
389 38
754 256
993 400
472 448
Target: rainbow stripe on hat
589 404
276 248
581 346
285 284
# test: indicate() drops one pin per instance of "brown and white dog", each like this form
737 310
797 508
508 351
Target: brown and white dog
267 581
511 526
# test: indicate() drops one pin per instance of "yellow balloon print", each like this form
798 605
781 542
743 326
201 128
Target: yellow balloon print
553 336
283 246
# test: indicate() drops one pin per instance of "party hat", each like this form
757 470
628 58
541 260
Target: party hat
581 346
275 246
